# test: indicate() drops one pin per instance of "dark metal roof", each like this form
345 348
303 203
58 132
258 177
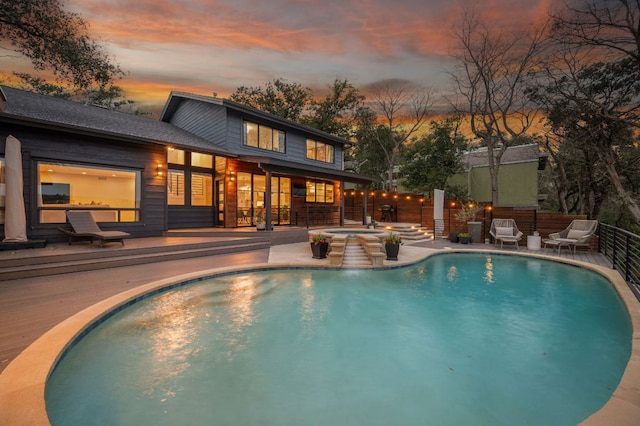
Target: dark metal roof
55 113
175 98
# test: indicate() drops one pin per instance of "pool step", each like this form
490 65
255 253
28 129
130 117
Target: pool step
355 255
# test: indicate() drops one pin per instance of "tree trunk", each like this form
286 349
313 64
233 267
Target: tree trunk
608 157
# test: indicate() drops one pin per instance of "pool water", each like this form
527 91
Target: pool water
457 339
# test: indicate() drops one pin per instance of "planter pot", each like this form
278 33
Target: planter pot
465 240
392 250
475 229
261 226
319 250
453 237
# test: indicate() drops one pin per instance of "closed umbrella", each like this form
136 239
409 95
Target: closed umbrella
438 212
15 222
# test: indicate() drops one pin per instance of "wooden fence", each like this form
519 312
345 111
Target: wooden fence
411 209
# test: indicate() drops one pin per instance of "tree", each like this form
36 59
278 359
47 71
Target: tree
434 158
612 27
589 108
279 97
592 93
338 112
493 71
56 40
402 109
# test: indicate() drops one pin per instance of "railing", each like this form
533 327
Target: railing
622 249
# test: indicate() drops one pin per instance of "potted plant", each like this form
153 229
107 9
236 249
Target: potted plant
467 214
453 236
465 238
392 243
319 246
261 220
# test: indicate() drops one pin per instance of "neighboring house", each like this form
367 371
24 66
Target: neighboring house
204 164
517 176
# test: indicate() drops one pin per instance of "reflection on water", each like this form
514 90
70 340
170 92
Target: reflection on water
452 274
237 314
172 335
488 272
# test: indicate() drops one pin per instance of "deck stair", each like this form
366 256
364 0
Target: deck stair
355 255
408 231
91 257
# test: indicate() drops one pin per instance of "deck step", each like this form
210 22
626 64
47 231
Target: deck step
77 262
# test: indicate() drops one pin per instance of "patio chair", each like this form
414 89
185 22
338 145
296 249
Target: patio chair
505 231
86 228
577 234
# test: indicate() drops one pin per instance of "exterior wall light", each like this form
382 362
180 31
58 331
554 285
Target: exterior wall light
160 170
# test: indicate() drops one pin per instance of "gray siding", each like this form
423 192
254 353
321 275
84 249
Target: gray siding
204 120
296 149
47 145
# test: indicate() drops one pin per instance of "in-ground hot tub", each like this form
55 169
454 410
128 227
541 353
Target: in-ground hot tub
349 232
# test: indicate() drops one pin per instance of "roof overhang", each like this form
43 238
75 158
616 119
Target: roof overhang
85 131
312 172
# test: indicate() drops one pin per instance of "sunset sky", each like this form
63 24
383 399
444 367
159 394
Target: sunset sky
206 46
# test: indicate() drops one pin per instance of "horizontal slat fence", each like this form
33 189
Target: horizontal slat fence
412 209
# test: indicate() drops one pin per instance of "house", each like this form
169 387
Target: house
517 176
207 162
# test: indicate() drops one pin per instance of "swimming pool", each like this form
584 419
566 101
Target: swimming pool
455 339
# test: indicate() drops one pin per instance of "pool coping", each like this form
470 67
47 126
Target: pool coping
22 383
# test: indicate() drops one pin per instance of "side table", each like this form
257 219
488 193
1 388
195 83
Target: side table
534 242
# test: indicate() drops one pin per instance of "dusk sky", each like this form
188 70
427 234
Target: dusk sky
206 46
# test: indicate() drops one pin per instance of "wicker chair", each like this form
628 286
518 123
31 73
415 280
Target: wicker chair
505 231
577 234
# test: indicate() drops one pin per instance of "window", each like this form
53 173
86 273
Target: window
320 151
112 194
320 192
201 189
202 160
175 188
263 137
175 156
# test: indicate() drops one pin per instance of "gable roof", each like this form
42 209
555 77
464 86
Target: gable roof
176 98
58 114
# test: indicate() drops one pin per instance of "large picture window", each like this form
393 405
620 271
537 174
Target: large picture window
113 195
320 151
263 137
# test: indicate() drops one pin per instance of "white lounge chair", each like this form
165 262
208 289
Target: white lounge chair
577 234
505 231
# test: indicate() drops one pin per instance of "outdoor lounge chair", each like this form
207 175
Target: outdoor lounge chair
577 234
86 228
505 231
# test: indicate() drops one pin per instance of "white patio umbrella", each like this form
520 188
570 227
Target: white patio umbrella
15 222
438 212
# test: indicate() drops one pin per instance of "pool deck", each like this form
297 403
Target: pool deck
31 307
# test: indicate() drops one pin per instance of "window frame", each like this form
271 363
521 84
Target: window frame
275 142
322 152
320 187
